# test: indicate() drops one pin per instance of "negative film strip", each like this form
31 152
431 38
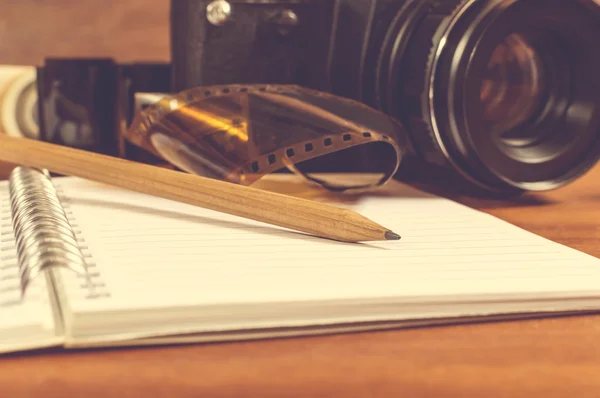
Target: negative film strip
239 133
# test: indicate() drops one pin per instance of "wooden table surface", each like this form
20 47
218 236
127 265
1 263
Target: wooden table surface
550 357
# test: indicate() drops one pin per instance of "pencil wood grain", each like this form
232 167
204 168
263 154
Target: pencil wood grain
277 209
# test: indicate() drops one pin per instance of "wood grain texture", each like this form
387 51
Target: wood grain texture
311 217
551 358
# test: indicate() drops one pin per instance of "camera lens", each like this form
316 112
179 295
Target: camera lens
512 86
504 92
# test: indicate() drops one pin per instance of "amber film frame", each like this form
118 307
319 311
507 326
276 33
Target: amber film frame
240 133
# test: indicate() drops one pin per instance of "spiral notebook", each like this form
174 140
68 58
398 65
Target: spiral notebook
141 270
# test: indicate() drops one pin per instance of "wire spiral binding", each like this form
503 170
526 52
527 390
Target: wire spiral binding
43 234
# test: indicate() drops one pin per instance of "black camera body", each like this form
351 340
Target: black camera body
274 42
326 45
336 46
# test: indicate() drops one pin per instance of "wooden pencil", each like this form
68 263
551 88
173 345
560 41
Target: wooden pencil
298 214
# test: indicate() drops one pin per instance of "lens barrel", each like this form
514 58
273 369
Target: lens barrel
506 92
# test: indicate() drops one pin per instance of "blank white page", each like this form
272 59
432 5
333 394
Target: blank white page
154 253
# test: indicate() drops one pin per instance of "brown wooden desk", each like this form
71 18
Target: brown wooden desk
551 357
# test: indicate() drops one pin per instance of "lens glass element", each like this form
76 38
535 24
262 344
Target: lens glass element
512 87
508 96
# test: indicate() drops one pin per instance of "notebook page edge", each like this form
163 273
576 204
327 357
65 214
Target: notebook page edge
312 331
307 327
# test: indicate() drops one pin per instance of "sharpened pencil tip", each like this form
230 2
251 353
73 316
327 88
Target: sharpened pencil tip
389 235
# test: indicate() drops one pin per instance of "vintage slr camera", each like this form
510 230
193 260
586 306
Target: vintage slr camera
498 95
503 93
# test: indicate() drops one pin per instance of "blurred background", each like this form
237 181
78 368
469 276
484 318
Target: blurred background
126 30
123 29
